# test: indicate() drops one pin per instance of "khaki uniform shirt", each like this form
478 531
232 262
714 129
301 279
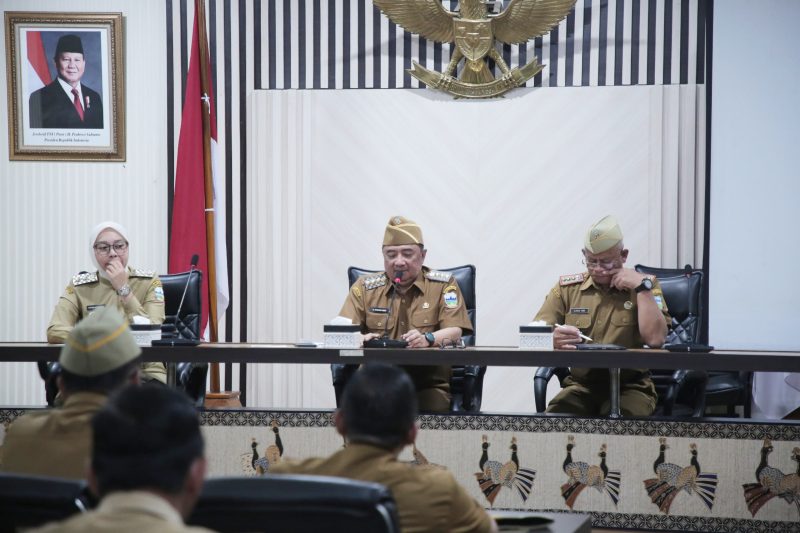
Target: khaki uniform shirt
428 498
126 512
432 303
87 291
607 315
53 442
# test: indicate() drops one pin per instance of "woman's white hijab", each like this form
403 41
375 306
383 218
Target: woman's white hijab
96 231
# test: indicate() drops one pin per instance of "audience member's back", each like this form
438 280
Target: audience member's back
147 464
99 356
378 420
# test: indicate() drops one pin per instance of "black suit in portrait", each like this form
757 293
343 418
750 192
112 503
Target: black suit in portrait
51 107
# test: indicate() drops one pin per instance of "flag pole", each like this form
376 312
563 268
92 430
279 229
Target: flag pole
209 186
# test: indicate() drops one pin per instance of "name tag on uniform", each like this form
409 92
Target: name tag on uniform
579 311
384 310
92 308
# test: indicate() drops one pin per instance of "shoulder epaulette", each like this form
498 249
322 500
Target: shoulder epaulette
571 279
137 273
84 277
438 275
375 280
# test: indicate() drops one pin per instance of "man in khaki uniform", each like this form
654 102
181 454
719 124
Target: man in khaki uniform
377 420
411 302
131 291
147 464
100 355
610 304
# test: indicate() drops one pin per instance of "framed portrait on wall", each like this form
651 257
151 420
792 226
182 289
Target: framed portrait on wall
66 97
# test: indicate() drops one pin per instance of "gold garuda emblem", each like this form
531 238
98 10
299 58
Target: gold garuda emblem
474 31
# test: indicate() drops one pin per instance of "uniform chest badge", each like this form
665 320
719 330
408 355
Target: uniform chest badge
451 299
426 305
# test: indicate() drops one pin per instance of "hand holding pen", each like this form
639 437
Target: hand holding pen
567 337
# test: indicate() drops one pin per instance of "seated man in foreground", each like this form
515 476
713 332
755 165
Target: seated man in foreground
147 464
411 302
99 356
610 304
377 419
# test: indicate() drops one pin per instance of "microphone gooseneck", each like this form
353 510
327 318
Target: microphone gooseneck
193 266
396 277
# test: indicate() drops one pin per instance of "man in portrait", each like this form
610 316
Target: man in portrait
66 102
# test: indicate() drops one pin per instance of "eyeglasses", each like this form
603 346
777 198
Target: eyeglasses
103 248
450 344
605 265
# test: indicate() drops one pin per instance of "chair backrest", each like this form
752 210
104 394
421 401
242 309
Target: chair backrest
295 503
187 326
28 501
682 289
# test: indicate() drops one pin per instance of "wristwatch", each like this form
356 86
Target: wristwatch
124 290
645 285
430 338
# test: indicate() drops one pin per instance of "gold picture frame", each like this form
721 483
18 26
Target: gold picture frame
50 56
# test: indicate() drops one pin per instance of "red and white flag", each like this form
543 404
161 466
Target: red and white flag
38 71
189 229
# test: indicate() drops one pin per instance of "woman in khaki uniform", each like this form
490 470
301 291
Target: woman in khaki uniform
131 291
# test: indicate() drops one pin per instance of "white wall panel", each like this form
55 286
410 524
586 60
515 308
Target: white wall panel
486 184
47 209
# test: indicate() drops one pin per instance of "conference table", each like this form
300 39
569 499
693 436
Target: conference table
743 360
734 360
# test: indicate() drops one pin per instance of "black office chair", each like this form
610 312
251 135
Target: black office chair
189 377
466 381
681 393
28 501
295 503
684 300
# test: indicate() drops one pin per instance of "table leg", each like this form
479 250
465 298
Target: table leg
614 396
171 374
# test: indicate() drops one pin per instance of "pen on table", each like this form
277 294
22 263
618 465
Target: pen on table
581 335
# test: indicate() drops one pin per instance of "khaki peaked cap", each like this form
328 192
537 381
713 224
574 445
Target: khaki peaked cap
400 230
603 235
99 343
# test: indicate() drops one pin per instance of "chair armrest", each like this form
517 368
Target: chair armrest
191 378
687 386
50 372
471 391
341 374
540 380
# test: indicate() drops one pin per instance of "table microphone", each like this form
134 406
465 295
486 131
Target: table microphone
175 339
384 341
193 266
396 278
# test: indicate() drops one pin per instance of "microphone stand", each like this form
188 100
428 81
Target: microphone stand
383 341
183 296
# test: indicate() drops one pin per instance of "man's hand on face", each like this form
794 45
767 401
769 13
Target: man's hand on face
117 274
566 337
626 279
